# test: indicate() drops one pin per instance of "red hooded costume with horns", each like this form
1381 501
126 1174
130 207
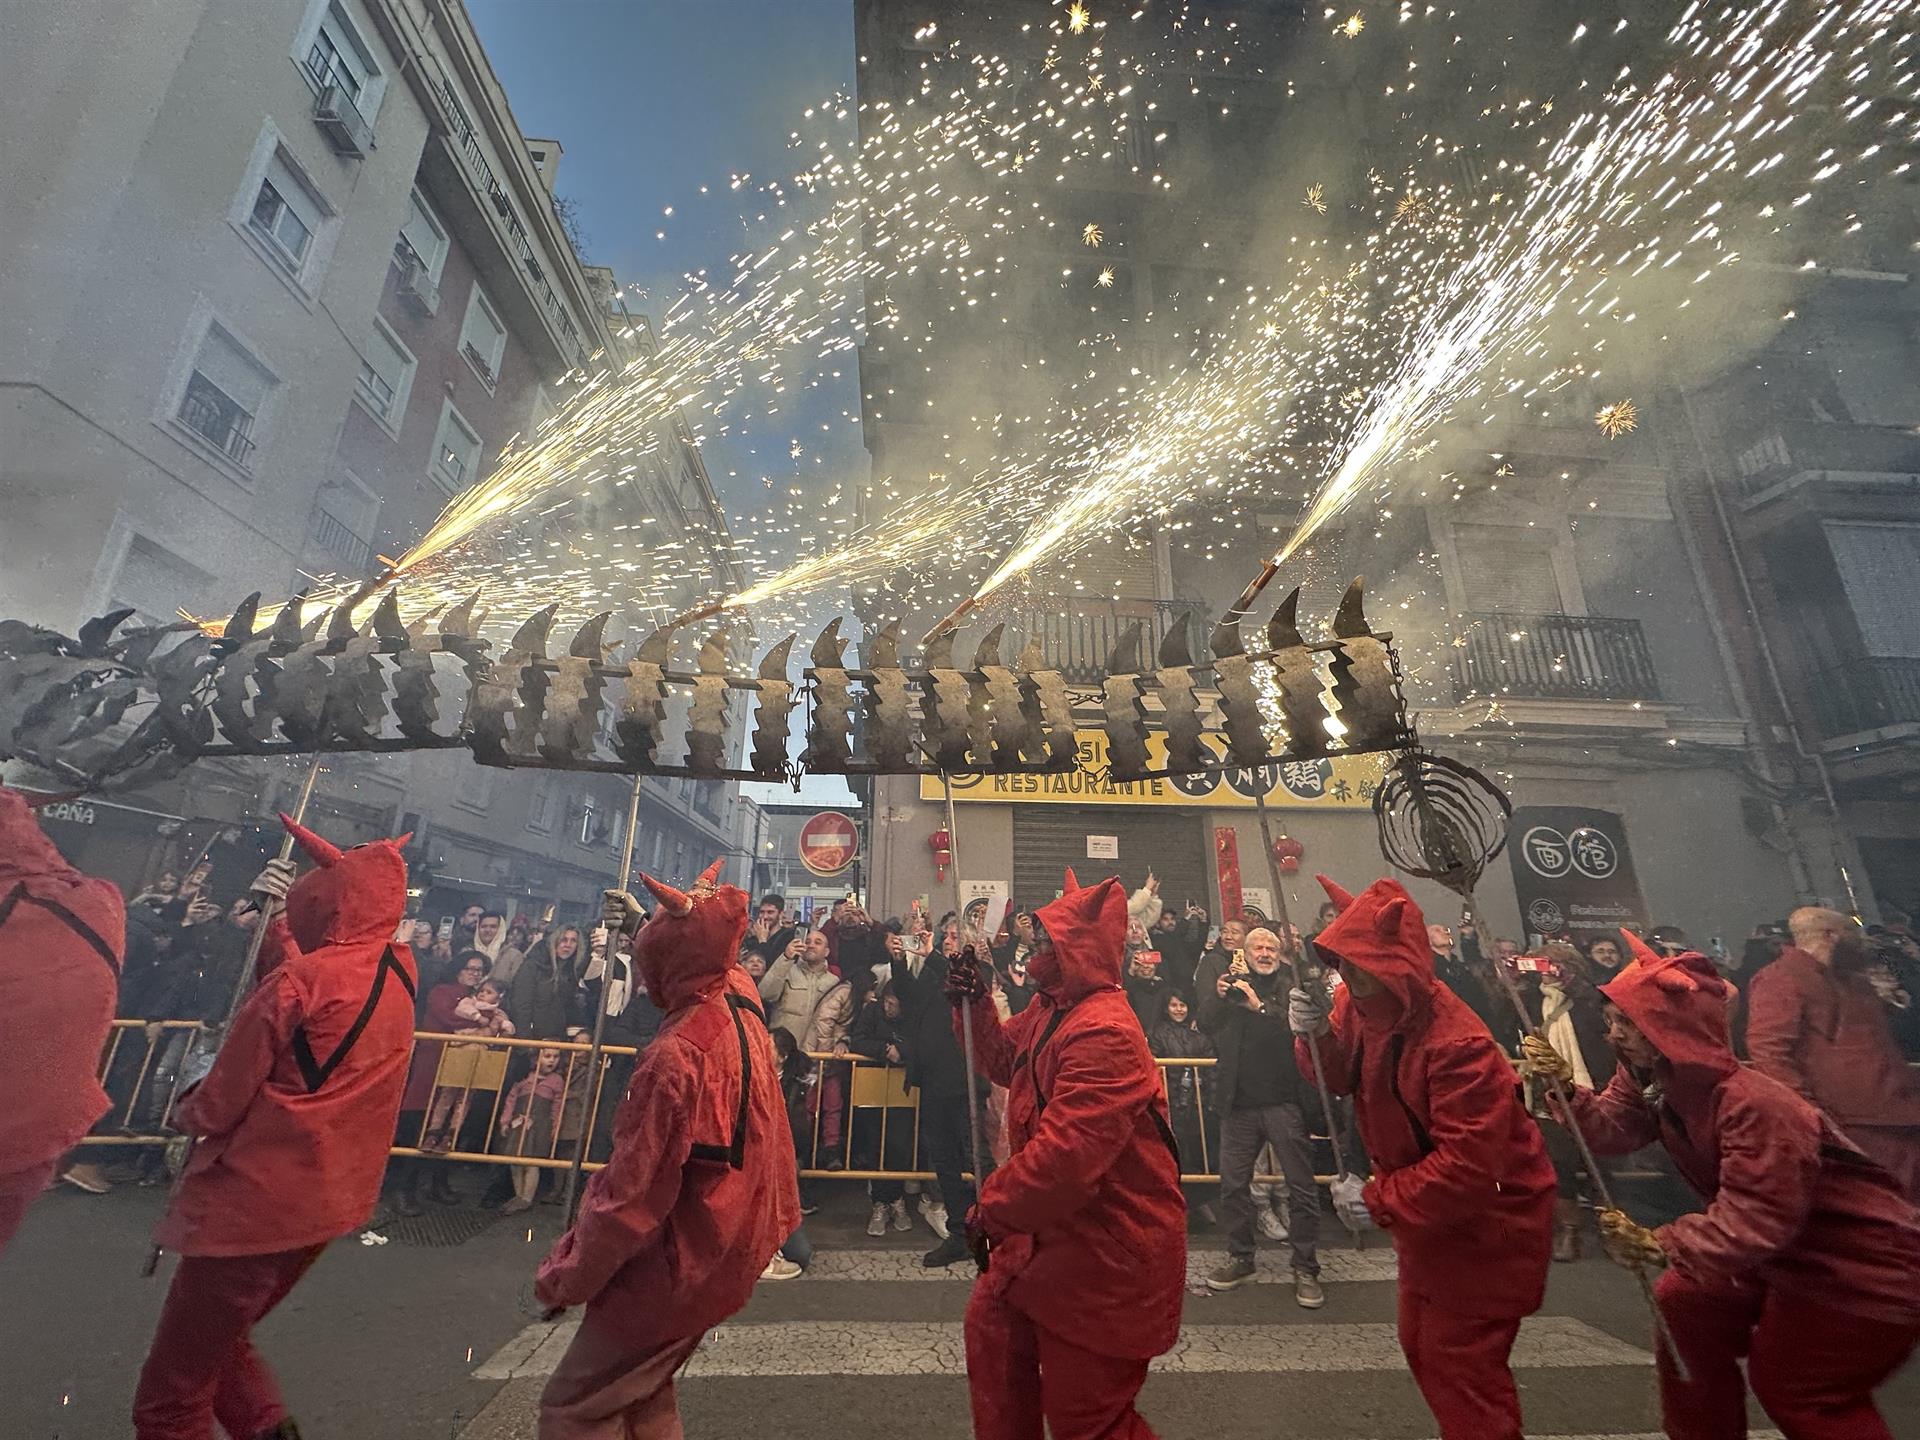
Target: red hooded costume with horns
1461 1178
1086 1221
62 938
700 1190
292 1124
1806 1260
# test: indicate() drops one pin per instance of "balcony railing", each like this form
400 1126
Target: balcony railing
329 533
1077 633
217 418
1867 694
1804 447
1553 657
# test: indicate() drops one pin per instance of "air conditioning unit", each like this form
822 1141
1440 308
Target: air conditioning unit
341 122
416 286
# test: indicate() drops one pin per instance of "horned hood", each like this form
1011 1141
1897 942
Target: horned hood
1382 932
1680 1004
693 939
350 896
1087 929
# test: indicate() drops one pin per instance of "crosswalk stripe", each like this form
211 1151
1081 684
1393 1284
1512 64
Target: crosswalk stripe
1337 1267
872 1348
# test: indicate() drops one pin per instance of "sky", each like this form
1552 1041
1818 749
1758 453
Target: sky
650 100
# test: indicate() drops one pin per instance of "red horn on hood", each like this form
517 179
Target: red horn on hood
1072 882
674 902
1386 920
1340 898
1639 950
400 842
710 876
321 852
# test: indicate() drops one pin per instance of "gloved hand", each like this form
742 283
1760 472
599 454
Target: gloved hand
1347 1193
978 1245
619 911
1307 1013
1628 1242
966 979
1539 1058
274 882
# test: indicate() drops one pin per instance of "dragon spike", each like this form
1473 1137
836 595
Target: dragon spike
1226 640
1033 658
590 640
1125 659
386 621
310 631
1283 629
773 665
531 637
988 651
827 646
459 620
657 648
239 627
95 634
286 625
340 622
883 651
1350 620
1174 650
713 652
939 652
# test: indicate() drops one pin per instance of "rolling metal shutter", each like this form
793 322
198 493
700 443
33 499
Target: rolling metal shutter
1175 844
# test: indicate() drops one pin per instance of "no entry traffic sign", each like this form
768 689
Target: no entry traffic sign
828 843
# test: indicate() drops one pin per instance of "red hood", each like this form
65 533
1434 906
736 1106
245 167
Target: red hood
351 896
1680 1004
692 941
1382 932
1088 931
25 851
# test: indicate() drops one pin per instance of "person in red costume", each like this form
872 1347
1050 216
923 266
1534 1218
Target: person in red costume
1085 1225
1461 1179
1806 1261
292 1124
62 939
699 1192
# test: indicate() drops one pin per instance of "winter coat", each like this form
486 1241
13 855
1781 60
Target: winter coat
701 1188
544 998
1792 1204
1147 995
1824 1033
1461 1178
831 1017
792 994
1187 1085
62 939
297 1113
1236 1031
871 1032
1180 950
441 1016
935 1065
1467 973
1086 1217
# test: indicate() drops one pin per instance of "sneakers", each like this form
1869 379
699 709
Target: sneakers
517 1204
1237 1271
877 1222
950 1250
1307 1293
1270 1223
90 1178
780 1268
935 1216
902 1221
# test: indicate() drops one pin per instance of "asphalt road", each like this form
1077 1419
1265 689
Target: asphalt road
434 1336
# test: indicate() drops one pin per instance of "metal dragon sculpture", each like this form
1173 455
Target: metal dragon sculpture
119 706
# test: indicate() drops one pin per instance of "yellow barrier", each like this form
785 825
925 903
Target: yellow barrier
877 1120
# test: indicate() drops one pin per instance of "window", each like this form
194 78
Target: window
590 822
224 394
386 376
483 339
474 788
281 223
422 238
1503 568
456 452
282 215
540 807
156 583
1877 564
332 51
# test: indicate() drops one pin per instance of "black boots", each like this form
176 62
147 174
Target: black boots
440 1188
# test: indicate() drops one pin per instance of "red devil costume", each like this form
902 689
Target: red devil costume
62 936
293 1124
699 1192
1085 1219
1461 1179
1806 1260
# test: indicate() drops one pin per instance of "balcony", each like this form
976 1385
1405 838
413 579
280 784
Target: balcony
1078 634
335 108
416 285
1867 694
1553 657
217 418
330 534
1792 453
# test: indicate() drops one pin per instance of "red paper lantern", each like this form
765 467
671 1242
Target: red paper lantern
941 843
1286 854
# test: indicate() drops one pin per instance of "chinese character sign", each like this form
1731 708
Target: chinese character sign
1572 872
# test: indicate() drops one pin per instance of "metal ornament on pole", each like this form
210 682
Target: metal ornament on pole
242 983
572 1192
1294 956
1441 820
966 1011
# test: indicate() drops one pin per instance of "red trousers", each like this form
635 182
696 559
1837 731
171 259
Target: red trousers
604 1389
202 1366
1025 1380
1460 1365
18 1190
1813 1369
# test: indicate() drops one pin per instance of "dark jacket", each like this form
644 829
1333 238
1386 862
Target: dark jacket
871 1032
1180 950
1469 974
544 997
1245 1038
1147 994
935 1066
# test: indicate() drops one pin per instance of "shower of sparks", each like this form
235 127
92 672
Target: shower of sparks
1316 198
1091 235
1620 418
1353 25
1078 18
1105 278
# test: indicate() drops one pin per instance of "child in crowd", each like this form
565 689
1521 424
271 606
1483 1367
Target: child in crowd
527 1117
480 1013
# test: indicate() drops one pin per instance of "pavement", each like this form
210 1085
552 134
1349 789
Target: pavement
435 1335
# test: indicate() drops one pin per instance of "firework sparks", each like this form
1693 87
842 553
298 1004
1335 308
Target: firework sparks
1353 25
1105 278
1316 199
1091 235
1620 418
1078 18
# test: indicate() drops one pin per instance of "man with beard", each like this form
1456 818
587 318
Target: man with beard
1082 1233
1815 1024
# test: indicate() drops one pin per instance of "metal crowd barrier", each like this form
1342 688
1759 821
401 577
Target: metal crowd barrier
853 1118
